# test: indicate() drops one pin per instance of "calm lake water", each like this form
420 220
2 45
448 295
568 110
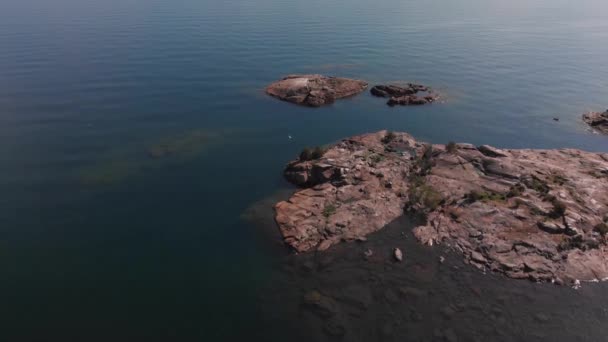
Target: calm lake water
135 134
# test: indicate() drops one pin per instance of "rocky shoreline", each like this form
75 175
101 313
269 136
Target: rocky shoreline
535 214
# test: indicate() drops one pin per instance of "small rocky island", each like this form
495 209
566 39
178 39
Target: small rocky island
405 95
597 120
535 214
314 90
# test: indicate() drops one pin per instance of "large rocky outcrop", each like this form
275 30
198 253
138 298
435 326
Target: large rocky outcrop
314 90
537 214
597 120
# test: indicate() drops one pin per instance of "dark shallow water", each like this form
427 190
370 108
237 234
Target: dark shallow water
342 294
99 241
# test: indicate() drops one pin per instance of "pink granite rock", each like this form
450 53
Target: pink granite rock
532 214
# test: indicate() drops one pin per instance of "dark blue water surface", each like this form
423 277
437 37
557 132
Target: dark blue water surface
99 241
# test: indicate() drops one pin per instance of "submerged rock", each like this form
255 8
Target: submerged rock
394 90
597 120
187 142
130 160
322 305
110 172
524 213
314 90
411 100
405 95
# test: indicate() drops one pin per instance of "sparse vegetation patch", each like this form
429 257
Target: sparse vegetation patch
485 196
390 136
312 153
423 194
601 228
451 147
329 210
537 184
516 190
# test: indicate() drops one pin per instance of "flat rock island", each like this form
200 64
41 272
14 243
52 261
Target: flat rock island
314 90
597 120
535 214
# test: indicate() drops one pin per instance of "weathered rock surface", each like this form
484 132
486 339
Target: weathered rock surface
597 120
405 95
314 90
536 214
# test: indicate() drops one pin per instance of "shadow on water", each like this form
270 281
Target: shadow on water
359 292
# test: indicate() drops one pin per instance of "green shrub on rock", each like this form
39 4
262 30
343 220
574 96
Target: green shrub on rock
516 190
537 184
424 195
601 228
329 210
484 196
318 152
424 162
390 136
312 153
306 154
559 207
451 147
